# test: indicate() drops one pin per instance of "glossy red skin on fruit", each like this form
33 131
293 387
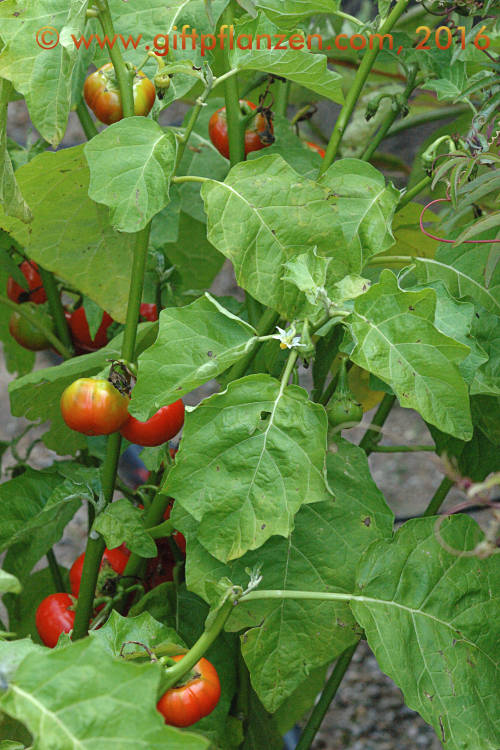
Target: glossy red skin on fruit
80 332
103 97
94 407
162 426
37 294
53 618
26 334
314 147
149 312
185 705
218 131
116 558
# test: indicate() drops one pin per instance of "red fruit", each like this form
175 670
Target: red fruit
94 407
185 705
162 426
54 617
258 135
80 332
36 292
113 559
149 312
314 147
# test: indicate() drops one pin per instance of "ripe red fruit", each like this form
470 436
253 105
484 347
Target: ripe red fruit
36 292
53 617
113 562
185 705
162 426
94 407
80 332
258 135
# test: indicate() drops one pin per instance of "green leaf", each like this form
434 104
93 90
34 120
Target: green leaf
36 506
10 195
81 696
265 215
26 399
249 458
300 66
262 729
288 638
43 77
409 239
287 13
13 653
70 235
486 329
195 343
431 618
308 273
461 269
9 583
121 522
143 628
10 745
397 341
131 164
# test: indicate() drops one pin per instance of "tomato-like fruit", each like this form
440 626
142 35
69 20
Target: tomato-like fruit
149 312
162 426
36 292
257 136
80 331
344 411
314 147
197 697
27 335
113 562
102 94
94 407
53 617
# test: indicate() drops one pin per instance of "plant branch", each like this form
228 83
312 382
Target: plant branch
422 118
235 129
282 97
357 86
266 325
402 448
56 308
55 572
438 498
123 74
374 433
87 123
412 193
35 322
328 694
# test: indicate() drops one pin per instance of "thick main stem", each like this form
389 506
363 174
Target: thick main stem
357 86
374 434
123 75
329 691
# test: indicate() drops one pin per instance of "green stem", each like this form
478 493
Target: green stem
172 675
183 140
152 519
413 192
292 359
373 435
123 75
189 178
282 97
347 17
422 118
87 123
56 308
55 572
35 322
329 691
393 115
95 543
357 86
135 293
438 498
402 448
384 260
266 325
236 133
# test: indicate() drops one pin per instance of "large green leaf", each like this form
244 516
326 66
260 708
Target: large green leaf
462 270
287 13
43 76
396 339
266 214
70 234
431 618
288 638
10 195
82 697
486 328
298 65
131 164
195 343
249 458
121 523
